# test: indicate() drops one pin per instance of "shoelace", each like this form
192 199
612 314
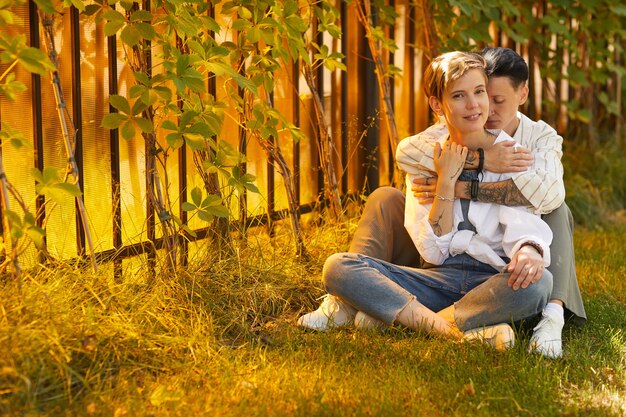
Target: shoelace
547 324
329 305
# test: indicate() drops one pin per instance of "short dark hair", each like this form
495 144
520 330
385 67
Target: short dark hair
505 62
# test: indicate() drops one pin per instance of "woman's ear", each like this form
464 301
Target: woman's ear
523 94
435 105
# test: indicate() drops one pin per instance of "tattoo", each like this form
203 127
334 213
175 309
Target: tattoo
470 161
502 192
457 173
468 190
434 223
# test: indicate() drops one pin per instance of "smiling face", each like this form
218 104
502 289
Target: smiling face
464 104
504 100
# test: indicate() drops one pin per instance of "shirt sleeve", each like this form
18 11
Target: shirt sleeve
432 248
542 184
415 153
521 226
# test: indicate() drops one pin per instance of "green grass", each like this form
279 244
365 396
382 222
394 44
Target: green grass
220 340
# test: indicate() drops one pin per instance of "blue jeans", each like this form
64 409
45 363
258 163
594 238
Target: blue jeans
480 294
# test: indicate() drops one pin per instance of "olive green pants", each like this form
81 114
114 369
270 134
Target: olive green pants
381 234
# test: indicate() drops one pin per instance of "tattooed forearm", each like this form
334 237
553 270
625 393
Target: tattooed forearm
502 192
436 225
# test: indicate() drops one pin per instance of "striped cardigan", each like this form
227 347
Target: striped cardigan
542 184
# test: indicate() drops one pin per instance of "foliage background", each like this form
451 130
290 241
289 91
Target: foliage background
217 336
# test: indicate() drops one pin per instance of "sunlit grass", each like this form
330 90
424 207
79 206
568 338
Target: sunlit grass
219 340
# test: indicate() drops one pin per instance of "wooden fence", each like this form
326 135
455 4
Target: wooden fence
112 170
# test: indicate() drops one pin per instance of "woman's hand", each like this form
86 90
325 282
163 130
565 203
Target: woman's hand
424 189
526 267
449 161
506 157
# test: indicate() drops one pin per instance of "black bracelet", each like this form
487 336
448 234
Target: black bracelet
535 245
481 159
474 190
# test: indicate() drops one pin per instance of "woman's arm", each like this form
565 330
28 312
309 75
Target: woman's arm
540 187
448 161
526 241
430 226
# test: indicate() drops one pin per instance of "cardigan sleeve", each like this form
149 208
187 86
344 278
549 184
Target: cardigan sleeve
542 184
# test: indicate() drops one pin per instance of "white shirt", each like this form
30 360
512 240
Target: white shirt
542 185
500 230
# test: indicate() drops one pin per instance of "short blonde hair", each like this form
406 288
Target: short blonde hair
449 67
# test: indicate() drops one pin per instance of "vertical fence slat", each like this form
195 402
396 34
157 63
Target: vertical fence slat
116 209
35 42
78 123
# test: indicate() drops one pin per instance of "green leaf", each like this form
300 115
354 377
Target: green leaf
146 30
127 4
186 206
164 92
205 215
240 24
68 188
141 16
141 77
196 196
169 125
194 141
175 140
36 174
37 235
80 6
92 9
112 27
211 200
113 15
253 35
12 88
199 128
120 103
144 124
35 60
113 120
56 192
51 175
244 13
138 107
14 219
130 36
218 211
128 130
251 187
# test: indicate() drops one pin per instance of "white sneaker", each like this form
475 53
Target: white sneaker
363 321
499 336
333 312
546 338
